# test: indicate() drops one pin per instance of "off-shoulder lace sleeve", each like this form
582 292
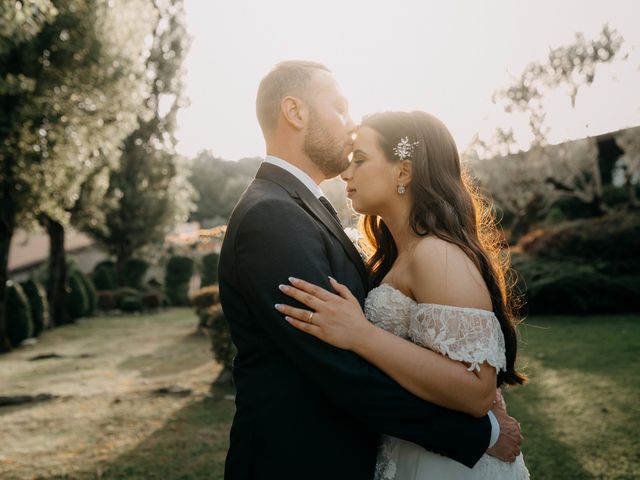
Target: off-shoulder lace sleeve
465 334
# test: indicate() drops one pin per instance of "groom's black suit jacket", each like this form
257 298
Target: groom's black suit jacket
305 409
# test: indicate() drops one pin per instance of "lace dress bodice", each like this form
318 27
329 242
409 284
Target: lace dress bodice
468 335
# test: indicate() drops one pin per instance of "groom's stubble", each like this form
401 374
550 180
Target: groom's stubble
325 150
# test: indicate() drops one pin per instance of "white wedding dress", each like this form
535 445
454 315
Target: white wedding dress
464 334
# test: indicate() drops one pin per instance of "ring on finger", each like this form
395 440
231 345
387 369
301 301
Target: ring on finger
310 319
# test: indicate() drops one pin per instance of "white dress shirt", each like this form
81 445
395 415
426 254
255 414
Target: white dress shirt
317 191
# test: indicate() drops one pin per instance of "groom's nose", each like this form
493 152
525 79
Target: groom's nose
351 125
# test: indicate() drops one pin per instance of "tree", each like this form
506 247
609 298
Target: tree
148 193
628 164
573 66
69 93
219 184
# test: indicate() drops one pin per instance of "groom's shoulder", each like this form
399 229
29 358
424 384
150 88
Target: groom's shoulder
266 202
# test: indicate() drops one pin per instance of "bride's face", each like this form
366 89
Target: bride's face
370 177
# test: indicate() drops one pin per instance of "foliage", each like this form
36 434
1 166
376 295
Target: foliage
134 271
77 300
125 292
90 291
71 80
39 306
628 165
19 324
104 276
209 269
148 194
131 304
179 271
106 300
569 287
219 184
213 319
573 66
153 299
206 297
611 242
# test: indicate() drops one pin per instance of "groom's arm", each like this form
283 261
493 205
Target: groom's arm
277 239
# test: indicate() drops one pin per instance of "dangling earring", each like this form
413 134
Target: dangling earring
401 189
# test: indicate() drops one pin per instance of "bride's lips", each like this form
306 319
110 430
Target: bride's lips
350 191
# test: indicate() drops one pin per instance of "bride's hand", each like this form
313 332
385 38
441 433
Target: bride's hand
335 319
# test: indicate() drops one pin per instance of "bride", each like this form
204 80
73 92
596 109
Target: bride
438 319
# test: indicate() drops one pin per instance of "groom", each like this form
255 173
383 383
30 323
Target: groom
307 410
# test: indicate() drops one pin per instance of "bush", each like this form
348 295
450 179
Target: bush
131 304
206 297
215 322
77 302
152 300
125 292
134 271
104 276
561 287
19 322
178 274
90 292
209 269
612 242
38 304
106 300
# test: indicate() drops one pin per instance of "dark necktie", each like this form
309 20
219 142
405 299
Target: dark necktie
328 206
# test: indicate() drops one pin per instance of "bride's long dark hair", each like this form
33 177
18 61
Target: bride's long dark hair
444 204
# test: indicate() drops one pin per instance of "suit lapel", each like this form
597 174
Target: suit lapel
309 202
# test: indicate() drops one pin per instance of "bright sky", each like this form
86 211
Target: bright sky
445 57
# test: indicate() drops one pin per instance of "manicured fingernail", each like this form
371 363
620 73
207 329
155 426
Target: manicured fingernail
331 278
283 287
288 319
293 279
277 305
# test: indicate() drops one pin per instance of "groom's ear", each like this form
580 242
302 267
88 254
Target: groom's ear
294 112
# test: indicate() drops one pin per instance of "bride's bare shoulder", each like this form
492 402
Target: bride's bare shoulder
441 272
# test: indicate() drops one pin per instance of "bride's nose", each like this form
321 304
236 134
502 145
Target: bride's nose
347 174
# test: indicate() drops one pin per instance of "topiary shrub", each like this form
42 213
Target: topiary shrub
206 297
123 292
567 287
90 291
131 304
18 323
209 269
152 300
612 242
76 301
38 304
223 349
134 271
104 276
106 300
178 274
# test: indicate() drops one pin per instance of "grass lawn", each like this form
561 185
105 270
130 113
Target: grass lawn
580 414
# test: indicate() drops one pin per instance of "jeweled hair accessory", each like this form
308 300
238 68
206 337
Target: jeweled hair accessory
404 149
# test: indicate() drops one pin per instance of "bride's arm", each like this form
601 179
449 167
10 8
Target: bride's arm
429 375
440 273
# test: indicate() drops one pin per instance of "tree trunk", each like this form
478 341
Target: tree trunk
123 254
57 285
6 233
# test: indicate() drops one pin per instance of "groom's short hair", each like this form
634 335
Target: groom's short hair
292 77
